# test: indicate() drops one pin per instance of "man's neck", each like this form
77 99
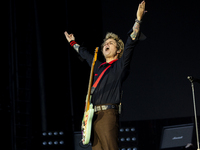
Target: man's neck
110 59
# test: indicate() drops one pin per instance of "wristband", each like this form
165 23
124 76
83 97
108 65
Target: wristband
72 43
138 21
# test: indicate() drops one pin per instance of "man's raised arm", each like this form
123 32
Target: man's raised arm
71 39
140 13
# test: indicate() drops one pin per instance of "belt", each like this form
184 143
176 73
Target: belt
104 107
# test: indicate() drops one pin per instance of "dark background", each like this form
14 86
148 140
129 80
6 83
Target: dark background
43 77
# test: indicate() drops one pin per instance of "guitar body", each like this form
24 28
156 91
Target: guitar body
87 125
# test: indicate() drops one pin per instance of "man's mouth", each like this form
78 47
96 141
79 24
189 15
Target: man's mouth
107 48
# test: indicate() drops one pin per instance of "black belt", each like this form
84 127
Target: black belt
104 107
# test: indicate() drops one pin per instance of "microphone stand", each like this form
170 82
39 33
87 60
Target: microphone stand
195 113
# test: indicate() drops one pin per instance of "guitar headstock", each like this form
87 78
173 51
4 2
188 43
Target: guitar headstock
96 50
95 54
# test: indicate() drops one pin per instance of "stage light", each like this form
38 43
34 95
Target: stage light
49 133
50 142
44 143
132 129
61 142
133 138
121 129
127 129
44 133
55 142
61 132
128 139
53 139
129 148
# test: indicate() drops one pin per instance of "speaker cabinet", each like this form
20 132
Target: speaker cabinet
78 144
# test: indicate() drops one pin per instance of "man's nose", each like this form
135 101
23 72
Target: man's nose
106 44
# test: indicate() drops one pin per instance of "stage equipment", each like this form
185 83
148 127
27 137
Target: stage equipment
128 137
78 145
177 136
53 139
191 79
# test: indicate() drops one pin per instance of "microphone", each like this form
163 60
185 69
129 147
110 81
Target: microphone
192 79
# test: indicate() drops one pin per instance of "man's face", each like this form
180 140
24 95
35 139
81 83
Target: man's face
110 48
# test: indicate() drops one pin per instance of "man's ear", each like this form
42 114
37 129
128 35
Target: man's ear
118 51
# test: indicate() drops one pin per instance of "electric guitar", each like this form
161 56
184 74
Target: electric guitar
89 110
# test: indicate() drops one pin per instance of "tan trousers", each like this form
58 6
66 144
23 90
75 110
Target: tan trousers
105 130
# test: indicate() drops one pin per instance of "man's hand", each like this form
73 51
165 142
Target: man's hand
69 37
141 10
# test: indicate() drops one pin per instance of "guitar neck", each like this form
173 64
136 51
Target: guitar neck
91 79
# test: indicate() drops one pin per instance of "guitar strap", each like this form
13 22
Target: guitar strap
98 79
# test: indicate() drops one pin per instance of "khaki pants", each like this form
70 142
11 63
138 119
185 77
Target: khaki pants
105 130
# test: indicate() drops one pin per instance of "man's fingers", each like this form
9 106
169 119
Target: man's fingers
68 35
65 33
142 3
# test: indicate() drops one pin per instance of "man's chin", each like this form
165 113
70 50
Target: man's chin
106 56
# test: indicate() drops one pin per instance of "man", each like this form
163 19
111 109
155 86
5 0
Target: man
107 95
